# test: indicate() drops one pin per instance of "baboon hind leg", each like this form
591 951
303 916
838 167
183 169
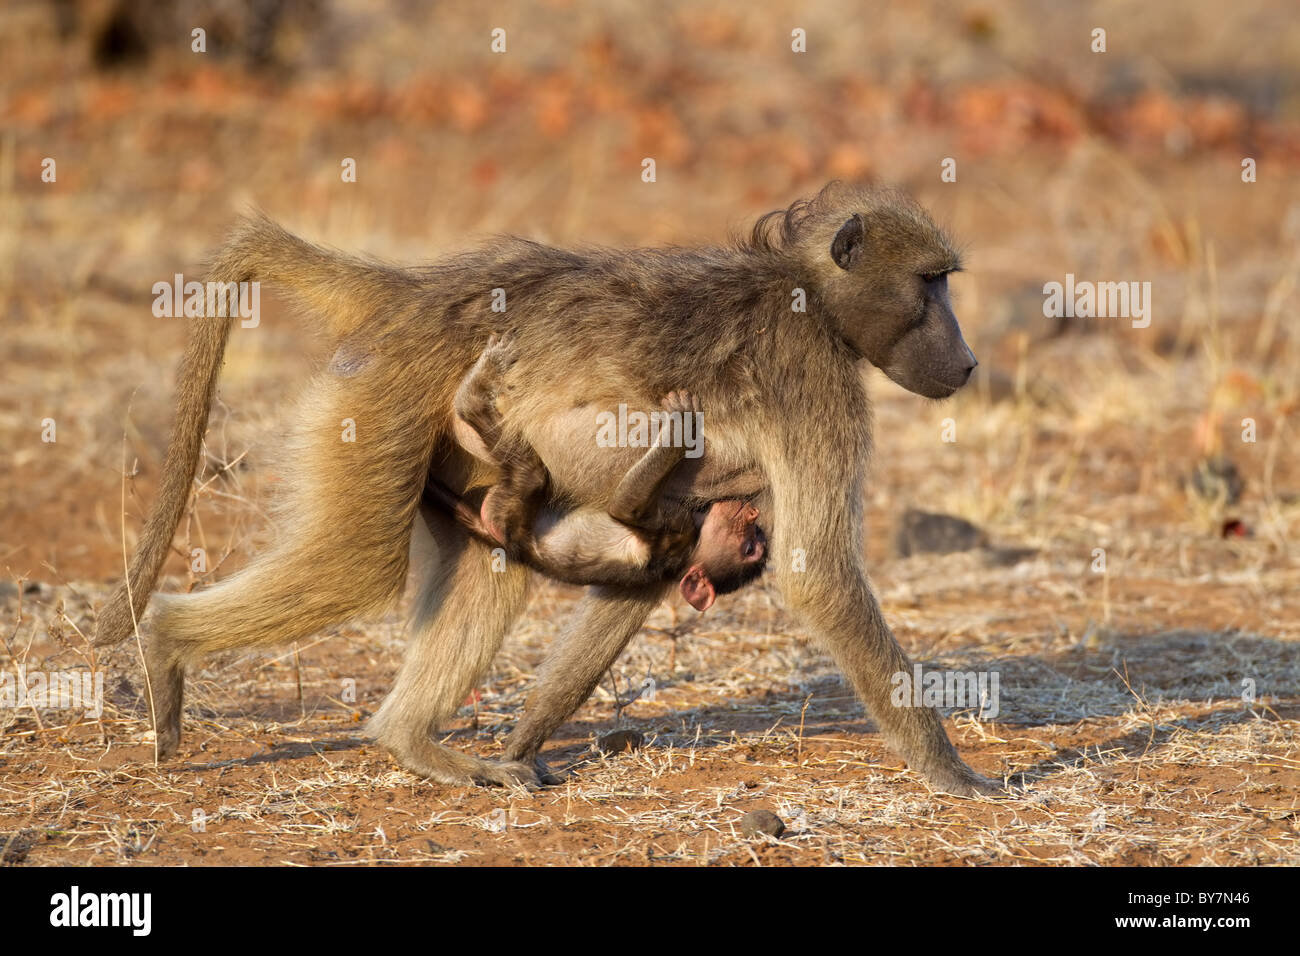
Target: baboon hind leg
607 619
166 688
461 614
342 550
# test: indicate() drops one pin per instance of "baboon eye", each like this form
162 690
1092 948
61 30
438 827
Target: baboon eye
934 276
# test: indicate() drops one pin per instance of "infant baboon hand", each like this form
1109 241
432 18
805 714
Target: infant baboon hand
680 401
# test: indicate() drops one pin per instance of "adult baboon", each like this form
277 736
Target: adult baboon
788 418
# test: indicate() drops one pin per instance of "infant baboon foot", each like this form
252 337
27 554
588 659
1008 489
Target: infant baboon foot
680 401
500 352
490 513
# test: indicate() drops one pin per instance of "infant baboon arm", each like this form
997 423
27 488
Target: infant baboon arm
636 499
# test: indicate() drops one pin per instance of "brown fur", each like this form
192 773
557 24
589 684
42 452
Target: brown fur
789 417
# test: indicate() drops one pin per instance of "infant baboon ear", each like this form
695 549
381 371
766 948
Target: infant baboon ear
697 588
847 245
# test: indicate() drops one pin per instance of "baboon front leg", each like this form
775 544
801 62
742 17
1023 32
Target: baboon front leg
461 614
606 620
832 593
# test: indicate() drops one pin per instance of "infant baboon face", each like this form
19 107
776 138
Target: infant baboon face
731 552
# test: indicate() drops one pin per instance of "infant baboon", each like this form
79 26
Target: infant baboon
638 539
771 331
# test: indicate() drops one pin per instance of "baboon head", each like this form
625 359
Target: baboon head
880 267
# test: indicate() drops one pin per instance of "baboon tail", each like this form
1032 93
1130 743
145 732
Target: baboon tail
196 381
339 289
342 290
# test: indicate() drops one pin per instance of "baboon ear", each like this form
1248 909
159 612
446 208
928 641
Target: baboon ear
697 588
847 245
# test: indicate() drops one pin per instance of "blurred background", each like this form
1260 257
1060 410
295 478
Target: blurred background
1123 165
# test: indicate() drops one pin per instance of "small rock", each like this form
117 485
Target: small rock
1007 557
620 741
1217 479
923 532
756 822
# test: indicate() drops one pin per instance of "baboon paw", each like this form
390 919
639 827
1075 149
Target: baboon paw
166 742
507 774
544 773
966 783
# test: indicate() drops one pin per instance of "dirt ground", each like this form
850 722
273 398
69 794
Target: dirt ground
1149 701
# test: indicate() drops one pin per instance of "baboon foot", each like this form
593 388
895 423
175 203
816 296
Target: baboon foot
681 401
507 774
962 781
547 776
495 507
166 740
166 689
500 354
424 758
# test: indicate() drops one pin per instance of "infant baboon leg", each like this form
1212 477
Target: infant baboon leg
461 614
510 506
606 620
475 401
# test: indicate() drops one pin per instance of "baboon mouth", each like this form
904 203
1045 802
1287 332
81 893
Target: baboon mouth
927 386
